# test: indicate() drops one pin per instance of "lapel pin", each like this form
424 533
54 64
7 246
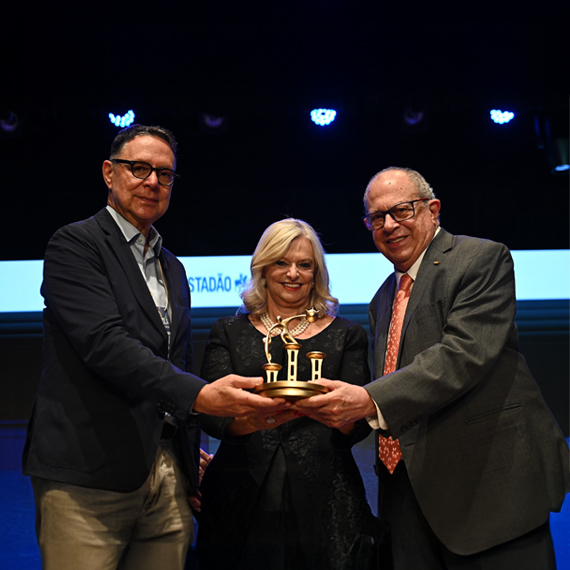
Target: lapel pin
436 262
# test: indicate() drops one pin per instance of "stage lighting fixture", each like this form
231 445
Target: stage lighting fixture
501 117
554 147
212 124
415 119
122 121
323 117
9 122
559 156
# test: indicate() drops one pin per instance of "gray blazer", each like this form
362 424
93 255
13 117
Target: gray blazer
484 455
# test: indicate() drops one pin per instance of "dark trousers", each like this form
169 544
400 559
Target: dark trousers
415 546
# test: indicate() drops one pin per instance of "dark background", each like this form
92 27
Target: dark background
264 68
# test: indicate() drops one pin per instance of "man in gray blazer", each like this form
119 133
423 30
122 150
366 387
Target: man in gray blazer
483 462
112 448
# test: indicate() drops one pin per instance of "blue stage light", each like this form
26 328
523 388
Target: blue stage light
501 117
323 117
122 121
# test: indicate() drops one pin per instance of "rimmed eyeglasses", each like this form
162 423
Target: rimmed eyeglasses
399 213
143 170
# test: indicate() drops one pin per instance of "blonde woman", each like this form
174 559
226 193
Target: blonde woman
284 491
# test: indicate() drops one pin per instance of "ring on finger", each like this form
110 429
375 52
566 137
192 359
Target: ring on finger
270 419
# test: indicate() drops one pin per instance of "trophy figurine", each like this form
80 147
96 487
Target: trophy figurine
291 389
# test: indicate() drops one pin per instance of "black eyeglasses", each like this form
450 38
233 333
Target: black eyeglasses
400 213
142 170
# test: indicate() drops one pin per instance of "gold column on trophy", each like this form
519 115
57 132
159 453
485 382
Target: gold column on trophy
292 358
291 389
271 369
316 358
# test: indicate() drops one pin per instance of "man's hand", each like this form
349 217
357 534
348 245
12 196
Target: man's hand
344 404
227 397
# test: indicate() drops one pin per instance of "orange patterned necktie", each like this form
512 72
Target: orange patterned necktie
389 449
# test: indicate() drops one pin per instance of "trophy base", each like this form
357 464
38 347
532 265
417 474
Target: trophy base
290 390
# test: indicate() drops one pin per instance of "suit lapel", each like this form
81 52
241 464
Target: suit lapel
433 261
383 317
136 281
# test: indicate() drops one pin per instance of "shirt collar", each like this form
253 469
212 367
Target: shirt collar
413 270
131 233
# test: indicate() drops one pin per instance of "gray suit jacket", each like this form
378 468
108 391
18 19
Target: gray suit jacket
484 455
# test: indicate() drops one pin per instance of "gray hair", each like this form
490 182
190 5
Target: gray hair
129 133
422 187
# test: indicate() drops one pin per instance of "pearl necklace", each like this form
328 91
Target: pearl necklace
299 329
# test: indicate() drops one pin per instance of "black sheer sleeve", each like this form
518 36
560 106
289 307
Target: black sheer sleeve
355 370
217 363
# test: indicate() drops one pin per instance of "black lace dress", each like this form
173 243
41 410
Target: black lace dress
289 497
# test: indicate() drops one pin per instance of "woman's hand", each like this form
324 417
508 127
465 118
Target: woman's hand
205 459
196 500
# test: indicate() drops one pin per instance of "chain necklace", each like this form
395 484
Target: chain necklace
299 329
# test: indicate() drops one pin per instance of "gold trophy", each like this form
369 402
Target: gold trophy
291 389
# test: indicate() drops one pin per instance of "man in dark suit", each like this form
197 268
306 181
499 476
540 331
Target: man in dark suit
481 462
112 448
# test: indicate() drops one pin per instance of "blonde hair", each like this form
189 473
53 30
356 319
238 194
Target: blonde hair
272 246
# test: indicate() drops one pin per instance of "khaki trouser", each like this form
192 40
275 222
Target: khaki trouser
79 528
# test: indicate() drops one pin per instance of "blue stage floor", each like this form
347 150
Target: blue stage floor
19 551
